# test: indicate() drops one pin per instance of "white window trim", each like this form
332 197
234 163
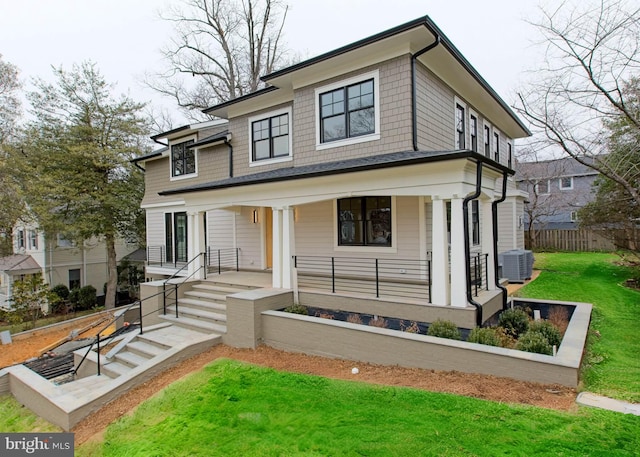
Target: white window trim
195 152
573 216
485 123
252 119
393 249
478 132
375 75
495 132
561 187
463 105
537 188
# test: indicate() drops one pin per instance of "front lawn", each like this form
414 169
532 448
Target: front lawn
235 409
611 365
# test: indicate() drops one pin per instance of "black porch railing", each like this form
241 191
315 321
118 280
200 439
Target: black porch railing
157 256
479 265
405 278
223 259
172 283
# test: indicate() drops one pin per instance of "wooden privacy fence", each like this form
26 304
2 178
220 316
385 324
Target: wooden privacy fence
579 240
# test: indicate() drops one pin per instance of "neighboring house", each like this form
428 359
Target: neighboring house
557 190
58 260
389 156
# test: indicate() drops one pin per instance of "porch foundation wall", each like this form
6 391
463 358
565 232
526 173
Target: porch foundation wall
462 317
336 339
244 314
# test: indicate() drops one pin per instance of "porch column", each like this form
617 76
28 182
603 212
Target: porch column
288 247
486 227
458 258
440 254
276 269
195 244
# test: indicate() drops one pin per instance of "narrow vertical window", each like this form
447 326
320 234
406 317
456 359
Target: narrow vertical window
460 127
20 239
487 141
510 150
473 131
496 147
475 222
183 159
168 237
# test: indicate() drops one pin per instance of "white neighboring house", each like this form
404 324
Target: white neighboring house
58 260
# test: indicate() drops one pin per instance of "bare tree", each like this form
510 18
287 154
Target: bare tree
586 85
223 46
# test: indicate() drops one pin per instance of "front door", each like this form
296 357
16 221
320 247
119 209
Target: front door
268 237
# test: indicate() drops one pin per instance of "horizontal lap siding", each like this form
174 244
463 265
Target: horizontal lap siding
249 239
220 229
155 228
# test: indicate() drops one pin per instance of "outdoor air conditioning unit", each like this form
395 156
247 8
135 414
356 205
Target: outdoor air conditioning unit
516 265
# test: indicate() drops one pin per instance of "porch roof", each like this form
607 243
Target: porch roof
17 263
396 159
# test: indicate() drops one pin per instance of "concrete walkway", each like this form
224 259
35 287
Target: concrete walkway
598 401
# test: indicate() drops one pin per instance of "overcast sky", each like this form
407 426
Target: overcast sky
123 36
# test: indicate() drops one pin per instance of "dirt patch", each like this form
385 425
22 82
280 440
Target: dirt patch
472 385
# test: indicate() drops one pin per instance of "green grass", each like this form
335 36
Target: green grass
23 326
235 409
611 365
16 418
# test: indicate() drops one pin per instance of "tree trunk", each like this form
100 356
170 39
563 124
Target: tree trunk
112 273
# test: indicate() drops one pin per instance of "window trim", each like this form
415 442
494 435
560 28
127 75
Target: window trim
537 188
33 239
573 215
486 139
561 187
459 105
195 157
473 115
372 248
268 115
496 144
375 76
20 239
475 222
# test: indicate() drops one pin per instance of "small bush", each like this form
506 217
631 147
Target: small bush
515 321
61 291
548 330
297 309
379 322
74 296
354 319
559 316
87 297
486 335
444 329
411 328
534 342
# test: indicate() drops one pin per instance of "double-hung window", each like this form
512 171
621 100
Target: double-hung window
496 146
566 183
347 112
473 132
541 187
460 133
33 239
487 141
364 221
270 137
20 239
183 159
475 221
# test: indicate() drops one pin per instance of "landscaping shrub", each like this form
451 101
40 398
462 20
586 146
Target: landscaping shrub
297 309
87 297
74 295
548 330
485 335
559 316
354 319
444 329
534 342
61 291
515 321
379 322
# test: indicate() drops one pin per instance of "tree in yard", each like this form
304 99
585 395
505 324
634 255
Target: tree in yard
587 87
74 162
30 296
223 47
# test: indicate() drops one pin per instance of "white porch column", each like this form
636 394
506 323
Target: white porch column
486 227
458 259
440 254
195 244
288 247
276 272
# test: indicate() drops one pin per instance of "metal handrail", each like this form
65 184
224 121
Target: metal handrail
178 284
219 257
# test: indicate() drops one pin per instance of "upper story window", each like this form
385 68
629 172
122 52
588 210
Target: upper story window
33 239
20 239
487 141
566 183
460 133
364 221
183 159
348 112
270 137
510 152
496 146
473 132
542 187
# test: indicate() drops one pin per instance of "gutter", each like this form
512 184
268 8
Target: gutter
227 141
494 214
467 244
414 108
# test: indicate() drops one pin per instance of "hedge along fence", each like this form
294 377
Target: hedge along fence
581 240
338 339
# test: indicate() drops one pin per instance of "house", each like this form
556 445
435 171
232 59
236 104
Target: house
57 259
387 162
557 189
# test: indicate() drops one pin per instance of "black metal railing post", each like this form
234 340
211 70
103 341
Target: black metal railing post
377 280
429 278
486 271
140 315
164 298
237 259
219 265
98 346
175 288
333 275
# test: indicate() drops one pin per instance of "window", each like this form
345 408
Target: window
574 216
74 279
270 137
20 239
496 146
460 136
183 159
33 239
63 242
487 141
566 183
347 112
364 221
475 221
175 232
541 187
473 131
510 152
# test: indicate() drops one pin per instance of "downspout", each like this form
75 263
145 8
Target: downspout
467 244
227 141
494 214
414 90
